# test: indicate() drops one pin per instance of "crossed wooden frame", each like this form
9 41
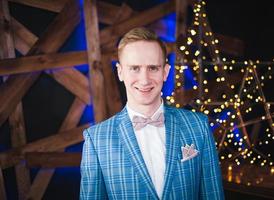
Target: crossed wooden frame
100 89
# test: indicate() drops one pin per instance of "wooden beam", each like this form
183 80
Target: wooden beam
16 119
43 177
72 80
181 17
232 46
94 57
68 19
23 65
107 12
23 38
146 17
180 34
52 39
6 39
53 159
75 82
18 139
49 144
112 92
52 61
124 13
113 98
42 62
51 5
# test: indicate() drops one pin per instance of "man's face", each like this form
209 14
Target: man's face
143 70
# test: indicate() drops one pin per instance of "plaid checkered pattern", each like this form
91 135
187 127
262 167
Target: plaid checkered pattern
112 165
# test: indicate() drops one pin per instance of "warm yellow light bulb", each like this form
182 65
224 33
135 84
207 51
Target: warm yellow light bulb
182 48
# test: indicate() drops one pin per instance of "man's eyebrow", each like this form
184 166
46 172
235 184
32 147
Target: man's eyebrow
149 65
153 65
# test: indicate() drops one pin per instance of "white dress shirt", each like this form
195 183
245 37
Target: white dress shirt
152 143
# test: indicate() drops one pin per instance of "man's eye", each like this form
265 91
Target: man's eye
153 68
135 68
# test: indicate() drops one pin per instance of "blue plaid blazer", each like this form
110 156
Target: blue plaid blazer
112 165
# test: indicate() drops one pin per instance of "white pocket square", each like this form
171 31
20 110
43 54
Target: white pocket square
188 152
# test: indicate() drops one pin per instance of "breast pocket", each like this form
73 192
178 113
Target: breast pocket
189 165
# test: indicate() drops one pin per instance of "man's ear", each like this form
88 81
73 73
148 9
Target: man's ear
119 71
166 71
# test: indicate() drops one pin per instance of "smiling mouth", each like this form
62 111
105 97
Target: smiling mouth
144 90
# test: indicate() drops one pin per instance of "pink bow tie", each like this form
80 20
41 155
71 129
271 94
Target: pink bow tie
140 122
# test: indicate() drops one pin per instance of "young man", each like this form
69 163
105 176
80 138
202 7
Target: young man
149 150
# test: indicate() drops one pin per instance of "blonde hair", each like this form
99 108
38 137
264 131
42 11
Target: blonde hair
140 34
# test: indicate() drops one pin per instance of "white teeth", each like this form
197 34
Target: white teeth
144 90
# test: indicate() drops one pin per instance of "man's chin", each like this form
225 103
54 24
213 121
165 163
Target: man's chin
146 102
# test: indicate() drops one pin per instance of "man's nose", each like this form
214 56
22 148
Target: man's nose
144 77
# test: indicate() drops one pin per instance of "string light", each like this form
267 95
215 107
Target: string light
228 109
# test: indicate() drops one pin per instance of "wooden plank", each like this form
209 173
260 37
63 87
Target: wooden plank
6 39
3 194
112 92
12 92
73 116
94 57
43 177
53 159
42 62
146 17
181 17
75 82
40 183
18 139
113 98
124 13
52 39
23 38
72 80
16 119
49 144
51 5
54 36
51 61
227 44
106 11
181 14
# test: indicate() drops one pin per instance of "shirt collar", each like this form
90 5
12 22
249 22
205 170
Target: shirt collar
132 112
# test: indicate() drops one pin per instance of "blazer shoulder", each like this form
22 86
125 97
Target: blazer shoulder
97 130
184 113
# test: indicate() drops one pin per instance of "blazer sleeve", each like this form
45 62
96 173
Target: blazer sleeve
92 181
211 187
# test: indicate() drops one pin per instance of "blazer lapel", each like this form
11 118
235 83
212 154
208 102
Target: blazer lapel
130 144
172 149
